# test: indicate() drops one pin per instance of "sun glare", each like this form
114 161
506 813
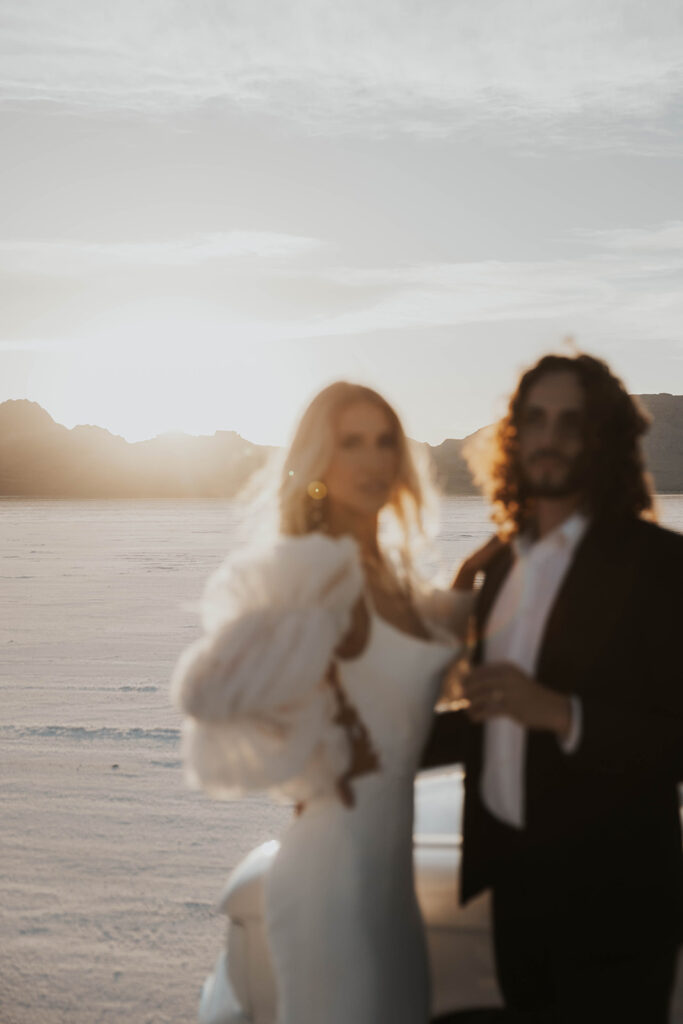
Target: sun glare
175 367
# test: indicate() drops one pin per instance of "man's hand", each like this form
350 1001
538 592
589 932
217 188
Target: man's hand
502 688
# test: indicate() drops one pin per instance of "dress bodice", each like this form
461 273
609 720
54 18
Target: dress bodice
393 684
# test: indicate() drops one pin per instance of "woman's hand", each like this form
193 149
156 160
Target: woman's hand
478 561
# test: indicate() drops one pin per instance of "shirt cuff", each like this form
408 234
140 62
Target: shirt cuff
569 744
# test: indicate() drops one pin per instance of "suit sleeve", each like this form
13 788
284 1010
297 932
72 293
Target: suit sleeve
445 745
641 731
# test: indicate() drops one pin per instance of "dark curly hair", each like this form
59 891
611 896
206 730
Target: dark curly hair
617 483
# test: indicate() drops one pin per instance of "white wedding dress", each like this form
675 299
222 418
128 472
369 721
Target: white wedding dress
344 927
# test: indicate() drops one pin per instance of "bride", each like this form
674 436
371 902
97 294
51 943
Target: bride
316 677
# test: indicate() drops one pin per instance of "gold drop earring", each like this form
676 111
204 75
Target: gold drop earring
317 494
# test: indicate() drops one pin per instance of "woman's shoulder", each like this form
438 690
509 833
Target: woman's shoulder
290 572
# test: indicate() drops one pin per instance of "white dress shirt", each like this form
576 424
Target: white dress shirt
514 633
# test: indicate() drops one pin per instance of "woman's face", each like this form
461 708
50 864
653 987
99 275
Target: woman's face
364 465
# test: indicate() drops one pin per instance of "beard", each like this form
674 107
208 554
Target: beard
550 485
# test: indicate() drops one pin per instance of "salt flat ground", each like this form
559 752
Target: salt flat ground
109 866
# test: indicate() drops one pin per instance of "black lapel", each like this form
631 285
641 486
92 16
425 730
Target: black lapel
495 577
599 583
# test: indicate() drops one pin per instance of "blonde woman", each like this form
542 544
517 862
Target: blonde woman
316 678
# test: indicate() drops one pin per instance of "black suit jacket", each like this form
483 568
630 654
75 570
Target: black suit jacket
602 823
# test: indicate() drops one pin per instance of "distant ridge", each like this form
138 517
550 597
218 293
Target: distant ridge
664 441
41 458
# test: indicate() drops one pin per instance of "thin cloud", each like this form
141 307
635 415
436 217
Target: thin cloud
614 290
387 66
75 257
666 238
622 293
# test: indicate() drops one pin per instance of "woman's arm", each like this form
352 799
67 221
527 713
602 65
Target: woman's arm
455 606
477 562
252 687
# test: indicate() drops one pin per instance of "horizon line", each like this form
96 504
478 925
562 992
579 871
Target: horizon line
222 430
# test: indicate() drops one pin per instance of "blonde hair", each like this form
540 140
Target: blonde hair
407 516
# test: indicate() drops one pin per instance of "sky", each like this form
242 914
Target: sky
210 210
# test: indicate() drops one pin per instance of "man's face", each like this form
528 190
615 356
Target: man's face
551 436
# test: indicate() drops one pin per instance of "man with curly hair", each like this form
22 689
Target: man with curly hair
573 738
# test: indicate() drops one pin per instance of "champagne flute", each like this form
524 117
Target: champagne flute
452 696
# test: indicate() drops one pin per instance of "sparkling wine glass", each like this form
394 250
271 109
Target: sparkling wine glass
452 696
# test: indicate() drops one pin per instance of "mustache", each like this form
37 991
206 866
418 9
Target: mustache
549 453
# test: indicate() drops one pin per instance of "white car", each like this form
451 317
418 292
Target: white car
241 989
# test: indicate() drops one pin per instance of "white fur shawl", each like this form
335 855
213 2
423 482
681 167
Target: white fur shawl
258 714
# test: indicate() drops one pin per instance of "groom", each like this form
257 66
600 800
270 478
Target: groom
573 739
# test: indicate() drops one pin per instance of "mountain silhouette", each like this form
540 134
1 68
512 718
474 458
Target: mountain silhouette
41 458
